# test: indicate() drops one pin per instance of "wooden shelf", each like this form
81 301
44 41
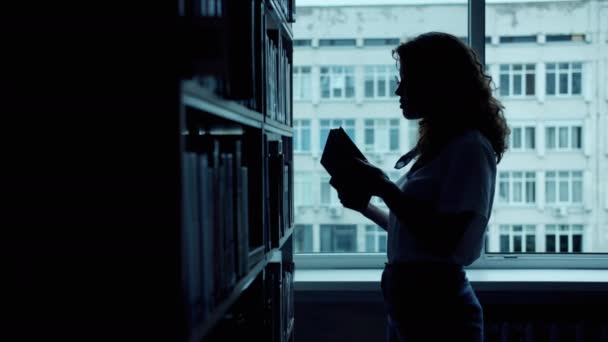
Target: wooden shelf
196 97
256 255
278 15
278 128
220 310
285 238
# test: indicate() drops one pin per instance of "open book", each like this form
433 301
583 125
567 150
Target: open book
338 152
337 156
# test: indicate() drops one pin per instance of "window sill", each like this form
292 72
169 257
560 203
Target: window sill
486 280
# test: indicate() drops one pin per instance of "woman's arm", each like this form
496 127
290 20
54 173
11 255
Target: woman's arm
442 231
377 215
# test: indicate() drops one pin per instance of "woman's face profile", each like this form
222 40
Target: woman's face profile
406 101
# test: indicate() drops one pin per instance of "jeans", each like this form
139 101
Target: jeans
430 302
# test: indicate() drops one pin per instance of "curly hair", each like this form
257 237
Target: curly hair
447 82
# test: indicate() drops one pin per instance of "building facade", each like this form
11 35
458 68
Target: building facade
549 63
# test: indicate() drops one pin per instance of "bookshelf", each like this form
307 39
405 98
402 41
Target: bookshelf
237 170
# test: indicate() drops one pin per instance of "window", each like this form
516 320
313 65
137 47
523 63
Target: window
517 187
522 138
302 238
517 238
301 42
381 135
329 196
337 42
301 135
381 41
338 238
302 83
337 82
564 137
564 78
325 125
550 38
564 187
564 238
380 81
302 184
517 79
375 239
517 39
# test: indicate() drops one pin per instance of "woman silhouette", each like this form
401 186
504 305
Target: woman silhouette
439 210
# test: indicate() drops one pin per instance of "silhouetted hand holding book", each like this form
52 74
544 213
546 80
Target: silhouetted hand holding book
339 155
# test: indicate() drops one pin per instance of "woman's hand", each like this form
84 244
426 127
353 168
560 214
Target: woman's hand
350 195
372 179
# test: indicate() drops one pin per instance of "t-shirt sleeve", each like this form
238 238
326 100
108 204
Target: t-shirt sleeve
468 174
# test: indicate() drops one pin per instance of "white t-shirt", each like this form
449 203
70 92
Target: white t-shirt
461 178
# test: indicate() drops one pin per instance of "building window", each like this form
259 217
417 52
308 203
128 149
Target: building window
517 79
517 187
302 83
337 42
564 187
381 41
301 135
564 238
302 183
522 138
564 137
325 125
329 196
380 81
302 42
564 78
375 239
337 82
302 238
517 238
338 238
517 39
381 135
550 38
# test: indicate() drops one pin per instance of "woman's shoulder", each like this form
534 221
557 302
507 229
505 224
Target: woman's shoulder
470 138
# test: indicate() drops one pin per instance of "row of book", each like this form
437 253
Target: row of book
278 87
280 300
216 220
279 188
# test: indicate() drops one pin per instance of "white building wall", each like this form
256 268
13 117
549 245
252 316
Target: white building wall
502 18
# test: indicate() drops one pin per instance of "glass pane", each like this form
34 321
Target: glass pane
530 138
517 137
563 137
394 139
381 88
577 243
563 83
550 243
550 191
576 83
550 136
369 87
530 243
504 244
517 243
563 243
577 191
530 192
563 191
504 85
305 147
517 80
577 141
302 238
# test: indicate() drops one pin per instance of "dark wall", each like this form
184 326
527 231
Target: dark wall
509 316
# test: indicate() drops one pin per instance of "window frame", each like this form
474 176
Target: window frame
476 28
569 72
331 75
299 80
